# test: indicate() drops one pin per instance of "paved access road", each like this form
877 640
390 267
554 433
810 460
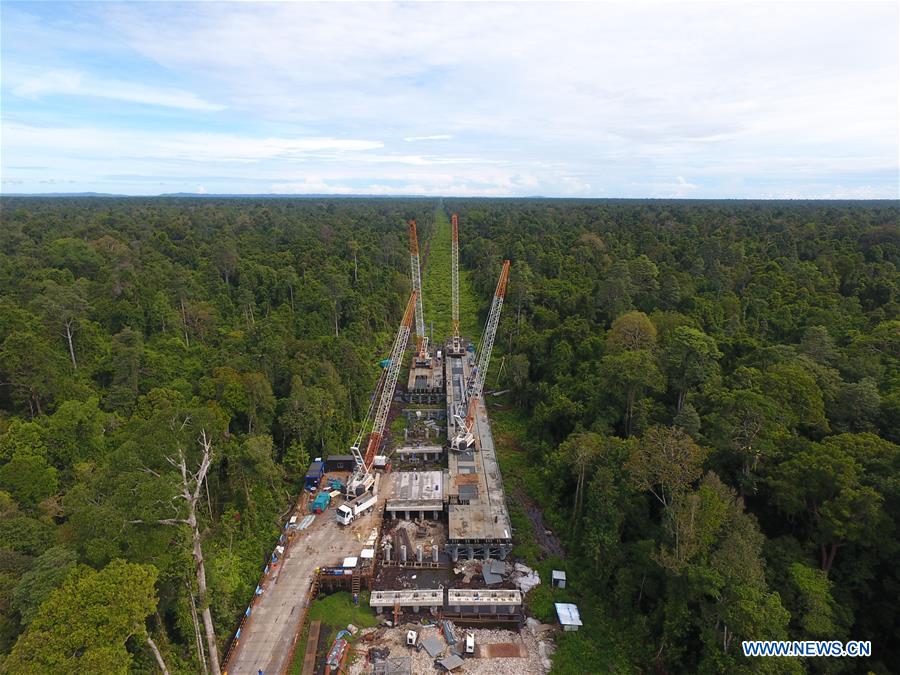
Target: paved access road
268 635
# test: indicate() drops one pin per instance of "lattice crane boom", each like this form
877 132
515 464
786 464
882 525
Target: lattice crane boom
416 274
454 282
475 383
362 477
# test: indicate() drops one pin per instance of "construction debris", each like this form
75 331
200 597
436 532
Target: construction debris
451 662
448 632
533 646
525 578
433 646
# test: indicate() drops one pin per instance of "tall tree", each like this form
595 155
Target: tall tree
693 359
85 624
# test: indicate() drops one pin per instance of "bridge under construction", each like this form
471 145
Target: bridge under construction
443 473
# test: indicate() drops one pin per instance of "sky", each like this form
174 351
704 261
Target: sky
685 100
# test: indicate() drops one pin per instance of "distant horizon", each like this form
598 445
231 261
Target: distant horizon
747 100
326 195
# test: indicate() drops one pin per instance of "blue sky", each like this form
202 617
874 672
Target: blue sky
770 100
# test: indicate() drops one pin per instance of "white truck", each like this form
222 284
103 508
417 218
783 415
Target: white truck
354 508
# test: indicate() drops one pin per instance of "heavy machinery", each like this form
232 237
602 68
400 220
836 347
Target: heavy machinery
416 275
456 346
347 512
362 478
464 437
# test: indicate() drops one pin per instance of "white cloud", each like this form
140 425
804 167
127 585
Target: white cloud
434 137
194 147
566 98
76 83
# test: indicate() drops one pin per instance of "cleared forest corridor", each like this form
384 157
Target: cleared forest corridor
436 283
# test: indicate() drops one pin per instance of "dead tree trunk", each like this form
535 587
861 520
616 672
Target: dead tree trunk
156 653
198 641
187 342
70 334
191 485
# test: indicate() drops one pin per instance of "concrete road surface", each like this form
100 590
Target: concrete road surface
268 635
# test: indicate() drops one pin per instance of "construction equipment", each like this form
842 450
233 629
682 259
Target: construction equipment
323 499
456 347
314 474
362 478
464 436
416 274
348 511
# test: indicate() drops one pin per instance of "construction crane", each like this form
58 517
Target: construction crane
416 274
456 343
474 385
363 478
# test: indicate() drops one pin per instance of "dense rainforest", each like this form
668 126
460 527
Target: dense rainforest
133 330
703 399
707 397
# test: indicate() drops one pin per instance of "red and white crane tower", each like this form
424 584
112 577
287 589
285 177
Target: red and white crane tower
362 478
474 385
416 274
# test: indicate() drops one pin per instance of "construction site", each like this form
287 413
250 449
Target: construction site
413 526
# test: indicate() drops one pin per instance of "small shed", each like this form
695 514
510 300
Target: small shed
350 561
569 618
340 463
558 579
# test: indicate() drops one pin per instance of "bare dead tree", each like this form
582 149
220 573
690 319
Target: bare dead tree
196 623
158 655
191 486
70 325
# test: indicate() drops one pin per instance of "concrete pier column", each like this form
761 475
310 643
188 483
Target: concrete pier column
454 553
434 554
419 552
422 515
403 553
387 552
487 552
407 515
471 552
